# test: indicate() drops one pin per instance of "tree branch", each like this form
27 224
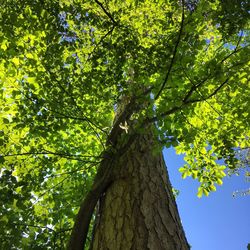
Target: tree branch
194 87
162 115
234 51
176 108
42 227
101 41
174 54
209 96
35 226
106 12
91 123
63 155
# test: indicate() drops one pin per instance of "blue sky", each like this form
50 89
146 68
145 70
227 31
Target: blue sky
216 222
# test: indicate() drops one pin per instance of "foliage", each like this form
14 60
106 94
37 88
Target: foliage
65 66
243 167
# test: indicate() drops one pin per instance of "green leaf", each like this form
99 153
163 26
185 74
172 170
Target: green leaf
219 182
5 120
1 159
200 192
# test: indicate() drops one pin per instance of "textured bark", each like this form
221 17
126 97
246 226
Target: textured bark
138 210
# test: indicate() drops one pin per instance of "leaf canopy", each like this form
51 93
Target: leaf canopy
65 66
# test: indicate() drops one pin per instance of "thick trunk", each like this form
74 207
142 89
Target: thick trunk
138 210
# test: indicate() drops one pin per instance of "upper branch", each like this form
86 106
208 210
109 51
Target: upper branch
194 87
174 54
106 12
186 103
209 96
234 51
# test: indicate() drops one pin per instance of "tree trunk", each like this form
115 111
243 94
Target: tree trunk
138 210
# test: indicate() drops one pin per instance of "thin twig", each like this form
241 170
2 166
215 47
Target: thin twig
64 155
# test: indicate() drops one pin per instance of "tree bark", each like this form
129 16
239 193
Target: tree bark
138 210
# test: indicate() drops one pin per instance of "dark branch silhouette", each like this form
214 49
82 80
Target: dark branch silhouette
63 155
174 54
188 102
106 12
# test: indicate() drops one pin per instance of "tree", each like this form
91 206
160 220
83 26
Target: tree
91 92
